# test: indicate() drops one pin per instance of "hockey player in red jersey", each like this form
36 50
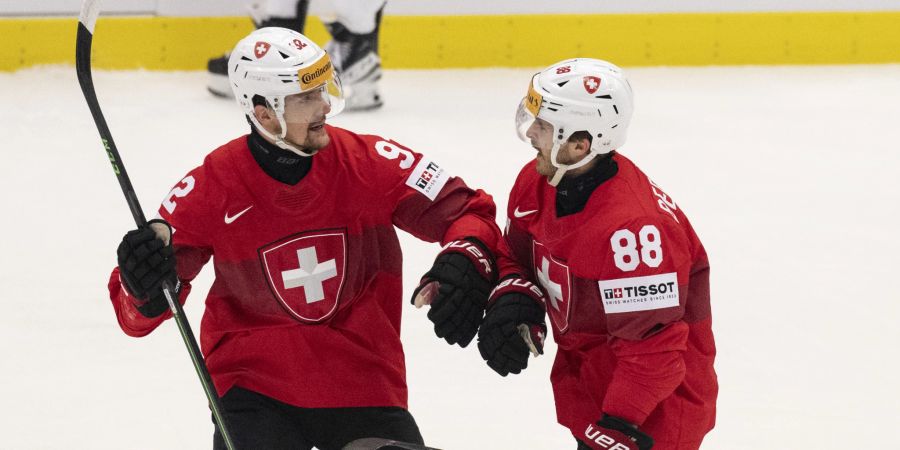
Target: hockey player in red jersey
302 323
622 275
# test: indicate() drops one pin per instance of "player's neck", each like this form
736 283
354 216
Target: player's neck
575 189
282 165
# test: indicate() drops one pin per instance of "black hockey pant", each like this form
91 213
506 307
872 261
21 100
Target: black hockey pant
259 422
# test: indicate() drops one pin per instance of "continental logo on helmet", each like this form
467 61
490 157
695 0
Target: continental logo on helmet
533 99
316 74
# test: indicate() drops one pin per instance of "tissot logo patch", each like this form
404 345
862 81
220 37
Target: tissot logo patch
306 273
639 293
428 178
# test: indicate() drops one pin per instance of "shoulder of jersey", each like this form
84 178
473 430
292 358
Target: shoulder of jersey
210 181
379 159
353 146
526 183
528 172
639 196
222 166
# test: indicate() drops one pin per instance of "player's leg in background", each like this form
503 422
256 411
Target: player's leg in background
334 428
354 30
270 13
257 421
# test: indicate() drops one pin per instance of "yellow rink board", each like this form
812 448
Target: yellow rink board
185 43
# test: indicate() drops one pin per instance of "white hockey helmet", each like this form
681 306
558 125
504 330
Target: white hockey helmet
277 62
581 94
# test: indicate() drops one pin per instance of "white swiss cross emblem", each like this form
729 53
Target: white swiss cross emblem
306 273
554 278
260 49
310 275
591 84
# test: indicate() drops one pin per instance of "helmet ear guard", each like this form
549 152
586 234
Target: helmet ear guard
581 94
275 63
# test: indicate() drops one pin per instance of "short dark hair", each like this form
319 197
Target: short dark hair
259 100
579 135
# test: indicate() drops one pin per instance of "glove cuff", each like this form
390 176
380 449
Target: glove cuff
158 304
477 253
642 440
518 285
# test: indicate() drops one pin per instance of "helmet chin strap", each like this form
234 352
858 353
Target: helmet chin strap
561 169
279 140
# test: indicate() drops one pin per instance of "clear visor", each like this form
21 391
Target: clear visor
524 120
316 104
528 113
321 94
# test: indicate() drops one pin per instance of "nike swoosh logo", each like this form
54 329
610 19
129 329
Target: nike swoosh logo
520 214
228 220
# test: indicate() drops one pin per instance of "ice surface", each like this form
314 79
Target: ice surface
789 175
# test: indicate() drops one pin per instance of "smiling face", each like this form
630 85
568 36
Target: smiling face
304 115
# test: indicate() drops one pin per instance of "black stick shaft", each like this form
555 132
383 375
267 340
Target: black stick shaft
83 44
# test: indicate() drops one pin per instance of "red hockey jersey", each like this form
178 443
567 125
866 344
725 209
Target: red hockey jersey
306 303
627 288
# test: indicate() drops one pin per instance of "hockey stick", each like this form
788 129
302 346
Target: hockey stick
90 9
377 443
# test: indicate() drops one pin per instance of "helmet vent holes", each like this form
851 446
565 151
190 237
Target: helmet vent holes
579 97
244 58
283 54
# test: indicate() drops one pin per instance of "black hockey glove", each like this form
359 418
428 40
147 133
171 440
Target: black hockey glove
613 432
457 288
513 326
144 263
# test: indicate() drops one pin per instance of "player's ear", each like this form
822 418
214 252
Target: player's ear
581 143
263 114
